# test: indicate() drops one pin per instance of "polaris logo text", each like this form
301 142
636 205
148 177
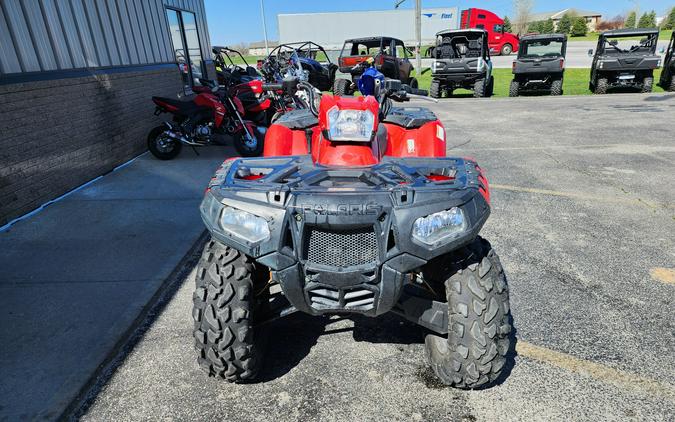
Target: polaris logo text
341 209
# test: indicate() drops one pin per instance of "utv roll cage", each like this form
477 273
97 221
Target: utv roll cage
305 49
461 43
607 41
221 52
370 42
526 40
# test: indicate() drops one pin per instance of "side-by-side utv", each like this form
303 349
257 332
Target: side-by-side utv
461 60
622 61
540 64
667 80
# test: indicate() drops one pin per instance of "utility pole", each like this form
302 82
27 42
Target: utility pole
262 11
418 32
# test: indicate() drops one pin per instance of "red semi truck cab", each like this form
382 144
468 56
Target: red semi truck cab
499 41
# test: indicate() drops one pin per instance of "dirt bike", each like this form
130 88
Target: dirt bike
195 121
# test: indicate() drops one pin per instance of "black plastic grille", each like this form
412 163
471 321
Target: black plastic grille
343 248
333 298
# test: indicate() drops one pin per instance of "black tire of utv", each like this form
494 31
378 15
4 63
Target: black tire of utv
435 89
491 87
514 89
341 87
152 145
601 86
224 306
667 81
506 50
647 84
413 83
556 87
479 88
244 150
479 322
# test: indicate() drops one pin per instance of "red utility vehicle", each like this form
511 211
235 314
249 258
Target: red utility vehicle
500 42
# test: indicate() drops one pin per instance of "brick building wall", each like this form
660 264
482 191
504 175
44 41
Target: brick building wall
58 134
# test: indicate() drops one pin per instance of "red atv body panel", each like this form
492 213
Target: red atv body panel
389 139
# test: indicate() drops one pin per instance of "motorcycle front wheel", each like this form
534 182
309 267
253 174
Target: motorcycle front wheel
161 145
249 147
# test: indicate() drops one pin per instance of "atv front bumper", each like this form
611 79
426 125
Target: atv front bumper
340 240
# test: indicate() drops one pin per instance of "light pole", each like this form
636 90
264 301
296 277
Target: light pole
418 31
637 12
262 11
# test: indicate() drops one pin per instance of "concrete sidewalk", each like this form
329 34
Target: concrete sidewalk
74 277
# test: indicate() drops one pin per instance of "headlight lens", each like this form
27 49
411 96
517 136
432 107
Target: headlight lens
350 125
244 224
439 226
239 223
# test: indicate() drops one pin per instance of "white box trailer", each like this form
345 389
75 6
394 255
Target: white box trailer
331 29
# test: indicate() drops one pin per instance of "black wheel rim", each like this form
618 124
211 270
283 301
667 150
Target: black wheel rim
164 144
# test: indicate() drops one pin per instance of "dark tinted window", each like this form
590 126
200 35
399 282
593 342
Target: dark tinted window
480 26
481 16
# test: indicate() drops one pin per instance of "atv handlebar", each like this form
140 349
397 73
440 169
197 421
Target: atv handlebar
288 85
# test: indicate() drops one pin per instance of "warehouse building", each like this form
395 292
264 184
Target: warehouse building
332 29
76 77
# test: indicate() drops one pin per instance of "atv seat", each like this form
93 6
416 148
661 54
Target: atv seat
410 117
298 119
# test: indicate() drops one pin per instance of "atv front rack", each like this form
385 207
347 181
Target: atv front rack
299 173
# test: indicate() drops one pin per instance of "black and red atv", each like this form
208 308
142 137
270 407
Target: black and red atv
354 208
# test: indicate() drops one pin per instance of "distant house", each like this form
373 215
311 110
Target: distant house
592 18
258 48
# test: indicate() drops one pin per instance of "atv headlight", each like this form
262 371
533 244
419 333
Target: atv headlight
244 224
238 223
439 226
350 125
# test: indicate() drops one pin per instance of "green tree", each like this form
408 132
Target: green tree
507 24
565 24
547 26
579 27
652 19
646 21
630 20
535 26
669 21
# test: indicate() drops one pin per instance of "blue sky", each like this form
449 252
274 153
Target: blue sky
232 21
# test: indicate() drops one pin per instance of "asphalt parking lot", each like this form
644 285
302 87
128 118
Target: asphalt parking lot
584 221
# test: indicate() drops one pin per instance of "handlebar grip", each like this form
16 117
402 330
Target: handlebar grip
421 92
272 87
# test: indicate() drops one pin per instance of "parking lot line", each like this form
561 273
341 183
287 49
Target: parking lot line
595 370
664 275
584 196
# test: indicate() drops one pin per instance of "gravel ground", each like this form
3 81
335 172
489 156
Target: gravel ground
584 221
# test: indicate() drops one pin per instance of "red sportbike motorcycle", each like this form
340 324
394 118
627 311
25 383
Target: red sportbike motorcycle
195 122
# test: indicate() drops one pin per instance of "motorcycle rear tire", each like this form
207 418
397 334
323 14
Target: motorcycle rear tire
156 150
